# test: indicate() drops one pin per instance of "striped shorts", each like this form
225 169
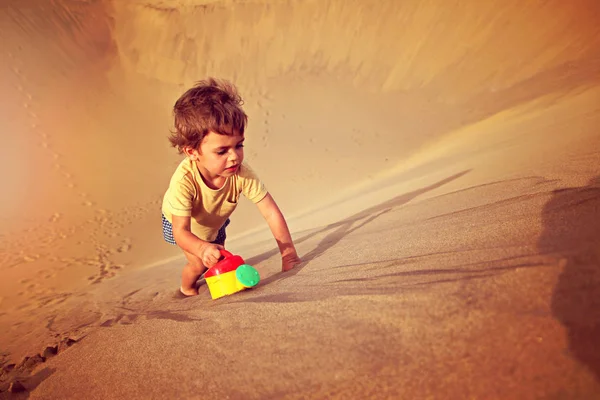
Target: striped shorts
168 232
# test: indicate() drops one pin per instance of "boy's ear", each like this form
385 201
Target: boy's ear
191 153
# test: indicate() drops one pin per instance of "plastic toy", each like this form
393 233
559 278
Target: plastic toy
230 275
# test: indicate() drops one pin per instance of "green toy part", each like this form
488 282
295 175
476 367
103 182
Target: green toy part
247 275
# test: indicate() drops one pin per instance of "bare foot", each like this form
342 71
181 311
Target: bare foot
189 292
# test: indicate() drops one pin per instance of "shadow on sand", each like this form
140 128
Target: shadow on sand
342 228
29 383
571 223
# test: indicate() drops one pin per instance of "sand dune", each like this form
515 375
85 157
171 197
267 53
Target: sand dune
438 165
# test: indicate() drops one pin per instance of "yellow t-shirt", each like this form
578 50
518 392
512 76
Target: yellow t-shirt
188 196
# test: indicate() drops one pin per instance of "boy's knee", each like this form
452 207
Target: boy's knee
197 268
195 264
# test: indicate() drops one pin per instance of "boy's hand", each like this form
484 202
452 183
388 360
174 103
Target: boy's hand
209 254
289 261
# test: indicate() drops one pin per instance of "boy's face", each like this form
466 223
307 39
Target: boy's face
218 155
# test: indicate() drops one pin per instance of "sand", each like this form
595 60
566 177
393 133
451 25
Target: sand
439 166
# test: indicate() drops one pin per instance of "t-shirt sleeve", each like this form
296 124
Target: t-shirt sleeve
180 198
252 187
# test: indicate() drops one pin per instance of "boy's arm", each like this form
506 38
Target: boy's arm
182 233
272 214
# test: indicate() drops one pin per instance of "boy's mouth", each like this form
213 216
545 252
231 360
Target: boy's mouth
231 169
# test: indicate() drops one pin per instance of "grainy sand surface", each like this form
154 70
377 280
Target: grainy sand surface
439 166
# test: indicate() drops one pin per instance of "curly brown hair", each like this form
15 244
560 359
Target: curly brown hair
212 105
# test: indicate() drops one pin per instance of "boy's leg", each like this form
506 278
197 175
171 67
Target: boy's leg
194 267
190 274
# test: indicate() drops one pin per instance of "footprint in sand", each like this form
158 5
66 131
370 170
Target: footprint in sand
106 272
53 299
47 273
108 323
124 248
31 258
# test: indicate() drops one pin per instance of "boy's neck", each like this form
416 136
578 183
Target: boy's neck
214 183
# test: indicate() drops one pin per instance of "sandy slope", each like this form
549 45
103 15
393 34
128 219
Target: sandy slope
421 152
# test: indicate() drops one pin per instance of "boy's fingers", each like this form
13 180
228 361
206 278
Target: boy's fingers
210 261
212 255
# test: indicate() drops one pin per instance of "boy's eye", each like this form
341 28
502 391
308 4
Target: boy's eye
224 151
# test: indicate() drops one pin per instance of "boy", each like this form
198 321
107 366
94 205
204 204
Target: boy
205 188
